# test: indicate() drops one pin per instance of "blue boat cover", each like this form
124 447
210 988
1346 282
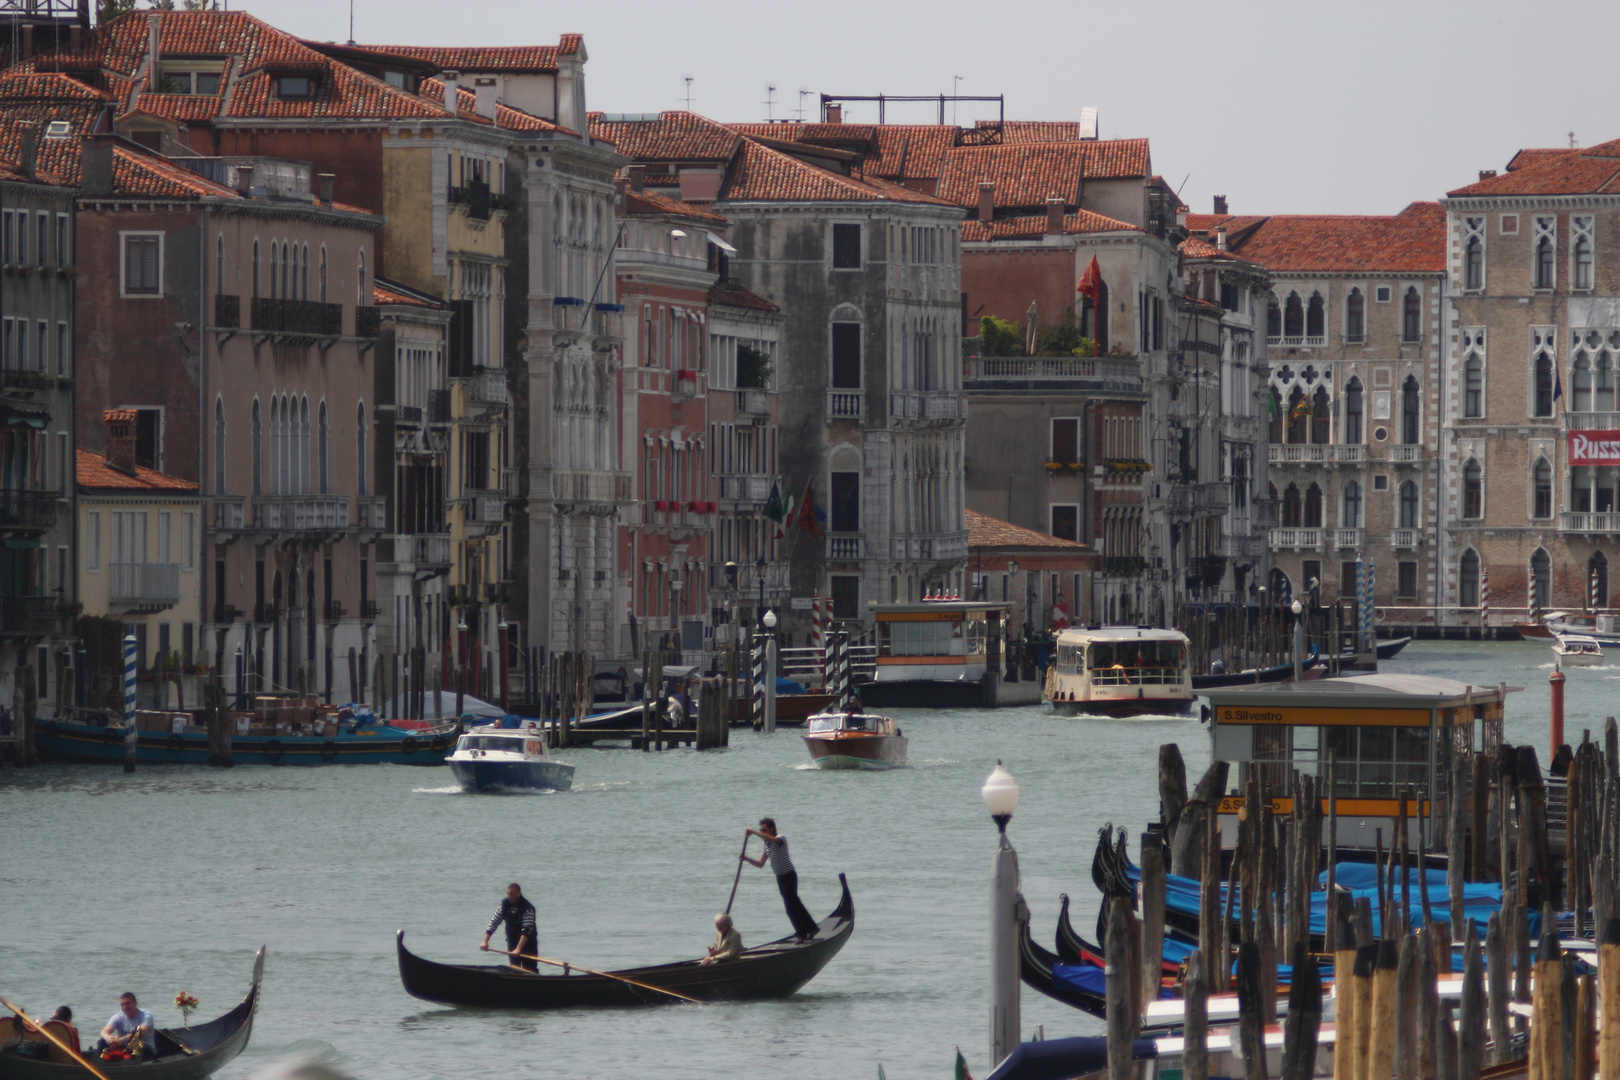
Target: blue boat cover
788 686
1056 1059
1087 978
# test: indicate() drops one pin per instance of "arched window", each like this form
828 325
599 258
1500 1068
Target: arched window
258 450
1299 417
1294 317
302 486
360 448
1473 490
1316 317
1468 579
1273 316
219 445
303 281
1541 579
1583 262
1473 386
275 266
1351 517
286 275
1291 512
1412 316
1580 384
1408 506
1474 264
323 274
1410 411
1545 271
1313 507
255 269
1355 316
324 451
1603 383
1541 484
1278 420
362 294
1321 417
1543 385
1352 411
219 265
1597 581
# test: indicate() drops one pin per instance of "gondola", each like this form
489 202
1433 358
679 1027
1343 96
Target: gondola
773 970
1275 673
1390 646
1079 985
1074 949
184 1054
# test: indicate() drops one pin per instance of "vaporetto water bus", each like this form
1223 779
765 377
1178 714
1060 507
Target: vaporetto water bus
1120 671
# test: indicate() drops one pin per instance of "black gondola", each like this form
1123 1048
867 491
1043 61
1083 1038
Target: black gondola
1035 968
1275 673
773 970
1390 646
184 1054
1074 949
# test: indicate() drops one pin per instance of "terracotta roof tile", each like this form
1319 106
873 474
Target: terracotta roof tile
760 174
730 294
674 136
1412 241
92 471
509 59
1027 174
895 152
653 203
1592 171
985 531
383 296
1537 155
1030 226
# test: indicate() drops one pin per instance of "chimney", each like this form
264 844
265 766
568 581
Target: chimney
120 439
1054 216
30 149
96 166
1220 237
27 41
452 87
1486 174
834 113
154 30
244 180
987 200
76 36
621 191
638 178
1220 204
328 181
485 105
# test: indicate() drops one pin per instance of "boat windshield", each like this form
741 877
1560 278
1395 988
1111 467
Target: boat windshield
511 744
844 722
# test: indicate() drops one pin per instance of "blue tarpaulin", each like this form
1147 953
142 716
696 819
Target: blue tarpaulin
1056 1059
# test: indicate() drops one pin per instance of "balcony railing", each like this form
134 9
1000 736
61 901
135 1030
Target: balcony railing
1106 372
927 405
938 546
438 410
745 488
1405 539
297 318
486 389
1347 538
592 486
846 404
408 415
228 514
607 324
369 610
485 507
430 549
371 513
1297 453
225 613
301 513
145 586
265 613
27 511
1297 341
474 196
753 403
367 322
1123 565
1582 522
1406 454
843 546
30 616
1296 538
333 611
227 312
1349 455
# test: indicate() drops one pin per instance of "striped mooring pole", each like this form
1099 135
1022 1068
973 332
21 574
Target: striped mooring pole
759 681
130 734
846 685
818 639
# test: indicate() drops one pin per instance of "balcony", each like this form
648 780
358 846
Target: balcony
1123 565
1347 538
27 511
1349 455
332 611
1297 453
369 610
15 378
225 613
296 321
474 198
752 405
371 513
927 406
408 416
227 312
430 550
607 324
1405 539
939 547
367 322
1013 373
1296 538
1297 341
228 513
1601 524
846 405
843 546
30 616
596 492
485 390
486 508
301 513
144 586
265 613
755 489
1241 428
1406 454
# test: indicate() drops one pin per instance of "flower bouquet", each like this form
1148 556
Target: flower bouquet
185 1003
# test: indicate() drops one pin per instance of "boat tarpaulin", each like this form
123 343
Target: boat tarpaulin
1056 1059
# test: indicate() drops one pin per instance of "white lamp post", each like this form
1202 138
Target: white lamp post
769 620
1000 794
1299 641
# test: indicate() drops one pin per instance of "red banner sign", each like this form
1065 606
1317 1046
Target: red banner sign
1594 448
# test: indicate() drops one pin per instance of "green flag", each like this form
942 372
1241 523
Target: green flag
773 505
961 1067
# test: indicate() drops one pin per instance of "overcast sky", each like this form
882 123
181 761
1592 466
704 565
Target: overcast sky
1298 107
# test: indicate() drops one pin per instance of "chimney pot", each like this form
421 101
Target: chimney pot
328 182
452 81
987 200
1220 204
95 167
1486 174
638 178
1054 216
30 149
484 91
154 30
835 113
120 439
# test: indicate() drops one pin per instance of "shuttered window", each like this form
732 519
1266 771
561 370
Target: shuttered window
142 270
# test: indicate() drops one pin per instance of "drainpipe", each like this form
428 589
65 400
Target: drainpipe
1440 542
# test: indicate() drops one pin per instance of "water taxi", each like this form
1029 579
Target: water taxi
942 654
497 758
1577 650
1120 671
854 740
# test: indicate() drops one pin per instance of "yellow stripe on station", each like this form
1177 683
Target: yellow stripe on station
1304 716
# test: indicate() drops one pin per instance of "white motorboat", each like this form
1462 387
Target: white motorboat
1577 650
495 758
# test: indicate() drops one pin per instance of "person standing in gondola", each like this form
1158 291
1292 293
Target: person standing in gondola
787 879
521 935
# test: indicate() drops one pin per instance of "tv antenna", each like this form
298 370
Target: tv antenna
956 88
351 22
687 79
804 92
770 102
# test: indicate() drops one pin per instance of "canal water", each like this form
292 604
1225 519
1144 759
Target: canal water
168 880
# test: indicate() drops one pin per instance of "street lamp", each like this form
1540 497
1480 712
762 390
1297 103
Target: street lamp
768 721
1000 795
760 566
1299 640
770 620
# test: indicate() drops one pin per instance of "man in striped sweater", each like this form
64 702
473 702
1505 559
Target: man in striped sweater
521 936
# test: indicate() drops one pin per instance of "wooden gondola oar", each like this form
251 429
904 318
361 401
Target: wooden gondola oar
734 881
37 1026
605 975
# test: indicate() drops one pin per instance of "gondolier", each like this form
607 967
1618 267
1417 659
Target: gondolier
521 935
787 878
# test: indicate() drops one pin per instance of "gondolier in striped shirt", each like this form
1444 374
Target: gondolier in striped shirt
787 878
521 935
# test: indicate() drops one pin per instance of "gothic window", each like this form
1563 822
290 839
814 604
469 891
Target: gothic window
1408 513
1473 253
1316 317
1313 507
1580 227
1291 507
1412 316
1543 385
1294 317
255 269
275 265
1541 484
1580 383
1299 415
1468 579
1355 316
1351 516
1473 493
1273 316
1320 416
1353 411
1410 411
1473 386
1544 272
258 449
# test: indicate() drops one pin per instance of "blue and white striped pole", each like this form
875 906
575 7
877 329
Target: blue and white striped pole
130 734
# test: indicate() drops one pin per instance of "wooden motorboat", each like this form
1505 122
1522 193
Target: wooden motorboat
1577 650
496 758
773 970
792 710
1533 630
182 1054
855 740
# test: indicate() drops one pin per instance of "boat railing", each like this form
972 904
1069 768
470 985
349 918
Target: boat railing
1136 676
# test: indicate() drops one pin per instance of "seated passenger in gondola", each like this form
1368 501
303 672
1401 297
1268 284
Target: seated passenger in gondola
63 1017
120 1034
727 942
